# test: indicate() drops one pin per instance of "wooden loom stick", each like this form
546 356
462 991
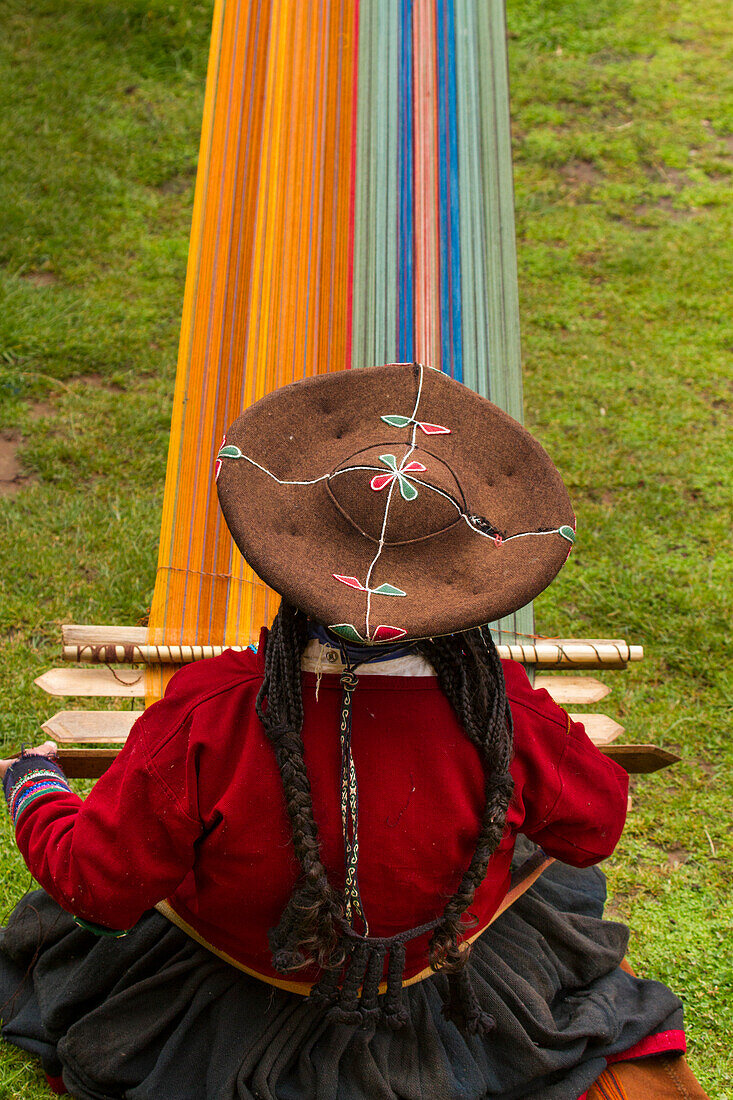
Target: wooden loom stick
100 648
572 689
111 683
97 727
130 684
112 727
640 759
90 763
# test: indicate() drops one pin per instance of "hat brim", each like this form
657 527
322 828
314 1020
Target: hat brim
274 492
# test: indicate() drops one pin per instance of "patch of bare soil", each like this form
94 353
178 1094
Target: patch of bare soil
176 185
12 477
581 171
41 278
664 204
674 176
98 382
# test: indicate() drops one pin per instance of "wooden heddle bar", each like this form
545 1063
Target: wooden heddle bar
109 645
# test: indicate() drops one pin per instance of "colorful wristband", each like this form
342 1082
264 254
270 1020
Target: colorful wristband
30 777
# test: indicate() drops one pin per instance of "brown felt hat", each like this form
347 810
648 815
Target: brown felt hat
392 502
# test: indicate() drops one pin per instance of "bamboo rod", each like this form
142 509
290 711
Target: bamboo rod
560 653
85 634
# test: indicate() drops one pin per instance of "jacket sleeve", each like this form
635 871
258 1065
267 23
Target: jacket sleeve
129 844
571 797
584 823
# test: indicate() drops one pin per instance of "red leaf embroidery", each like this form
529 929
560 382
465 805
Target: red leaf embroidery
385 633
433 429
380 480
413 468
352 582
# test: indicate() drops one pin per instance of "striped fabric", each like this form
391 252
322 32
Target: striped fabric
353 206
31 785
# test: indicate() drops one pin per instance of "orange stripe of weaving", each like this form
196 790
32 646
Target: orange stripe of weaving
163 591
268 282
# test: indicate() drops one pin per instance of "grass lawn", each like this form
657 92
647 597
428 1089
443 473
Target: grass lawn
623 129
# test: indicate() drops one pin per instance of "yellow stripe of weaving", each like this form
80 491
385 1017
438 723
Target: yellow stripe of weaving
267 286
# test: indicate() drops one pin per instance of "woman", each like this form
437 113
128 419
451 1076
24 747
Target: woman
327 827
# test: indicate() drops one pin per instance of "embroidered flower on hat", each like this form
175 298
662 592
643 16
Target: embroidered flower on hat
407 489
396 421
382 590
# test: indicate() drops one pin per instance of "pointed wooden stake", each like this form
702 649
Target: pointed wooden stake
573 690
640 759
601 729
91 726
122 683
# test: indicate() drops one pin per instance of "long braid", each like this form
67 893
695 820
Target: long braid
306 931
469 672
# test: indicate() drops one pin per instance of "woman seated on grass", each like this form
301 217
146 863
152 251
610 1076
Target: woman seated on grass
327 827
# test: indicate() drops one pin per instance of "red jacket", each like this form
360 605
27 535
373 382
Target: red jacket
193 810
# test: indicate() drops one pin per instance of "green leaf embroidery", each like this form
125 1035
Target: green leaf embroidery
347 631
388 590
397 421
230 451
567 533
389 460
409 492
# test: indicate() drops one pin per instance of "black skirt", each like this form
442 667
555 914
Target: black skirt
155 1016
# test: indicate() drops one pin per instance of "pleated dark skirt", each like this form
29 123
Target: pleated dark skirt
154 1016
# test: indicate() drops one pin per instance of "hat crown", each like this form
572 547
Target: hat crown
393 502
424 494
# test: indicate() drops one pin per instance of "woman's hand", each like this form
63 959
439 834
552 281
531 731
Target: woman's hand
48 748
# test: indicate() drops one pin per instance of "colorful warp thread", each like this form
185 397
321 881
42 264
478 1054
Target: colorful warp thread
32 785
353 206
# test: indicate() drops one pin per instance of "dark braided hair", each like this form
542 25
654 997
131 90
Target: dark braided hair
306 932
469 672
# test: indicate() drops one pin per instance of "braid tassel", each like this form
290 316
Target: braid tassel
353 999
394 1012
462 1007
326 991
371 1011
346 1010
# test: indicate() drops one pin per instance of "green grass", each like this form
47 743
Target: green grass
623 127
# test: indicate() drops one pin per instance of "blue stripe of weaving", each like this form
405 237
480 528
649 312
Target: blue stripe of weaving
444 227
405 322
455 219
450 245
